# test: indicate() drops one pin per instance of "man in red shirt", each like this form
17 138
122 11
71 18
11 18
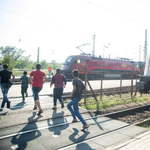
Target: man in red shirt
37 85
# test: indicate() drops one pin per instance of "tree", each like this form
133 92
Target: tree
9 60
44 65
14 52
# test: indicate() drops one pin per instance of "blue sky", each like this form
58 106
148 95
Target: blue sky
58 27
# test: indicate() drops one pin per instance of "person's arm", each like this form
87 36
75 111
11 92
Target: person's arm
29 79
45 78
74 89
52 81
13 77
64 81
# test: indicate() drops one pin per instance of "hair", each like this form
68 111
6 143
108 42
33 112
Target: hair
5 66
38 66
75 72
25 73
0 63
57 70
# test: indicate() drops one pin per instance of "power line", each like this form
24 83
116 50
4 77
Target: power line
132 10
30 10
116 13
31 17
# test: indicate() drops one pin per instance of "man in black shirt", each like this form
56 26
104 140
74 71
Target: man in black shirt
76 96
5 75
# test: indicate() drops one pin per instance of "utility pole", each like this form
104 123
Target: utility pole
93 50
139 52
38 55
145 48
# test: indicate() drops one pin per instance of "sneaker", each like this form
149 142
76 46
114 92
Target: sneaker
62 104
54 108
26 94
2 106
35 107
39 113
8 104
74 120
84 127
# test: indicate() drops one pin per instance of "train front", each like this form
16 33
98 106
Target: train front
66 67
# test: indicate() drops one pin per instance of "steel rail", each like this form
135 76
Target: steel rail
111 115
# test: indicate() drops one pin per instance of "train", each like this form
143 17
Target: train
98 66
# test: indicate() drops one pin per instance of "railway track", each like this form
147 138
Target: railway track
56 125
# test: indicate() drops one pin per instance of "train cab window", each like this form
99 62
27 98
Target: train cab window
78 61
136 65
68 60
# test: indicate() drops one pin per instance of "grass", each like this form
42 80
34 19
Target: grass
20 72
112 100
145 125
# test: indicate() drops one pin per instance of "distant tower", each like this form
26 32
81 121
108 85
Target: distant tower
38 55
145 48
93 50
140 53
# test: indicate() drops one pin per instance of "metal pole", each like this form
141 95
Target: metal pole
85 84
120 84
132 83
38 55
101 91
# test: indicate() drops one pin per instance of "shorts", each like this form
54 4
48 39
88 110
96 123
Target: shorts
36 91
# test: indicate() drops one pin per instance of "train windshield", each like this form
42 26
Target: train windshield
68 60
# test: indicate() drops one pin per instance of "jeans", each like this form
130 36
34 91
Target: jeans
75 112
58 95
49 73
4 87
36 91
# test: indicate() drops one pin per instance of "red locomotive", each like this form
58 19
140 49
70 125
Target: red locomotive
112 68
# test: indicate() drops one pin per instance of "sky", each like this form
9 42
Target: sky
57 27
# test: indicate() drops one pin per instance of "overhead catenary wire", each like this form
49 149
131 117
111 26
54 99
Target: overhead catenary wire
97 5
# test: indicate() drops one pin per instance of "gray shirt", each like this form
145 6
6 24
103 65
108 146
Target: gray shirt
79 88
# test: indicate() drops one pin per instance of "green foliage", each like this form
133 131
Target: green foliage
13 51
9 60
13 57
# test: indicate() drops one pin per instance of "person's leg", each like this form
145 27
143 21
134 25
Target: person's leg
4 92
35 107
36 98
60 92
69 106
76 110
26 92
37 103
55 98
22 93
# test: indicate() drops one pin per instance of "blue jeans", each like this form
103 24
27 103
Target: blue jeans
75 112
49 73
4 87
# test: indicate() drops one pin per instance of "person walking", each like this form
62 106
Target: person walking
76 96
49 70
59 82
24 85
1 68
37 85
5 76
